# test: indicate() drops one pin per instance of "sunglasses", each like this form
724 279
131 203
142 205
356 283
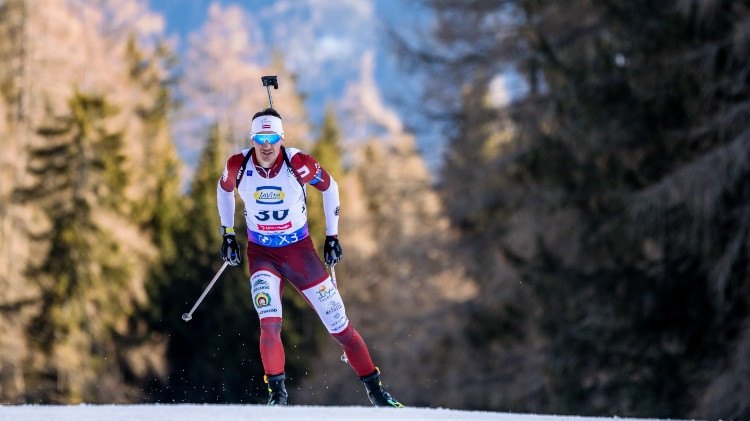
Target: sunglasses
262 138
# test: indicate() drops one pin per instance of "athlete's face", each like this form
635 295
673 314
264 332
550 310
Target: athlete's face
267 153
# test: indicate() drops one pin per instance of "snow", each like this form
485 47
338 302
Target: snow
194 412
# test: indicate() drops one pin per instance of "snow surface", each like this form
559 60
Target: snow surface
193 412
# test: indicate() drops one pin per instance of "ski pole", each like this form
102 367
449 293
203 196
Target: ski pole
187 316
333 277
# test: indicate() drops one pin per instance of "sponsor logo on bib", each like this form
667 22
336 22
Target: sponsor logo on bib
269 195
263 227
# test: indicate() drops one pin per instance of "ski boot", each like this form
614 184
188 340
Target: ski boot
276 391
377 393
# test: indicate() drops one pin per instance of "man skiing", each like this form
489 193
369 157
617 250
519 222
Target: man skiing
272 180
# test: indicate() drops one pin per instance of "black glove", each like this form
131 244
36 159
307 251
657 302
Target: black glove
230 249
332 250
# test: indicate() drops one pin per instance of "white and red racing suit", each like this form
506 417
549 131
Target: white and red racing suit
279 247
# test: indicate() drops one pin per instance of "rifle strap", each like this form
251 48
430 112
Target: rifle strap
241 172
289 164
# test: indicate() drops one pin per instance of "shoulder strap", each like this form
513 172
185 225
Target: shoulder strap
289 164
241 172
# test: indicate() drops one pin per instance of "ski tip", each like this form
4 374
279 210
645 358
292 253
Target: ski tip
186 317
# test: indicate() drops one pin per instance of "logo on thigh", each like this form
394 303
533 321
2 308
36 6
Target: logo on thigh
261 285
334 306
265 289
325 292
262 299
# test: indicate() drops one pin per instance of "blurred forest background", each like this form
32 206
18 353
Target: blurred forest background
584 247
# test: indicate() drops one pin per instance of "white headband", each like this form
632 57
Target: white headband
267 123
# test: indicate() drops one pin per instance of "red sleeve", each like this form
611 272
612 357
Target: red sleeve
309 171
229 176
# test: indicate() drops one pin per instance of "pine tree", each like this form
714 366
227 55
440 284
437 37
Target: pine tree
601 201
85 273
327 152
160 210
211 358
90 122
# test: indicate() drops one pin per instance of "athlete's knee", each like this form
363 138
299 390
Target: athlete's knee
270 326
347 336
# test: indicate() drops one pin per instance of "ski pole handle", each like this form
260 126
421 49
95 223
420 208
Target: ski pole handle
187 316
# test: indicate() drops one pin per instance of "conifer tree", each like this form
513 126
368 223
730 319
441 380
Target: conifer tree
92 122
211 358
327 151
601 200
160 209
85 273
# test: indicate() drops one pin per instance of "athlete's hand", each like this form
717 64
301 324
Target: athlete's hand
230 249
332 250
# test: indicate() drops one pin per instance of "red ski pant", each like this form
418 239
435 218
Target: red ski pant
300 264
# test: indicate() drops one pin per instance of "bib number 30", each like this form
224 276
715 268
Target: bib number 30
278 215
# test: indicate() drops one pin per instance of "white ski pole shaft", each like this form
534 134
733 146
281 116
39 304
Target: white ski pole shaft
333 277
187 316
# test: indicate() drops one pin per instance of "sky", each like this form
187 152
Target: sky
189 412
326 44
322 41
